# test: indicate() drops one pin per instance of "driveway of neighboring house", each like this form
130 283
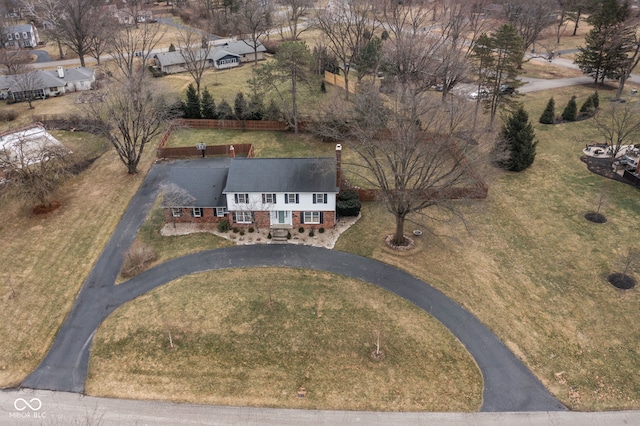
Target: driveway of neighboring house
41 56
508 384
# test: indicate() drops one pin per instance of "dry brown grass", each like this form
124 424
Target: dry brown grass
534 270
258 341
47 257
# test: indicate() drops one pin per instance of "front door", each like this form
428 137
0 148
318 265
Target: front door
280 217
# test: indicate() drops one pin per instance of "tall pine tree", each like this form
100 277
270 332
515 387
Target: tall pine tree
208 105
607 43
549 114
518 141
192 106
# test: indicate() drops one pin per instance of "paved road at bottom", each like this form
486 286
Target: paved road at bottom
508 384
62 408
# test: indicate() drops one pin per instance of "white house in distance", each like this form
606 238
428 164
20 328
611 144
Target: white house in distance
45 83
268 193
20 36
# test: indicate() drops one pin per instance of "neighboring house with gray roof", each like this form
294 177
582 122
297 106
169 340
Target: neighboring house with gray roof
20 36
228 55
41 84
263 192
244 49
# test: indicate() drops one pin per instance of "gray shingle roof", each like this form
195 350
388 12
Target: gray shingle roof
240 47
282 175
203 183
221 53
49 78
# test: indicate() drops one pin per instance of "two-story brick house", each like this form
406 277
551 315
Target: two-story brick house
262 192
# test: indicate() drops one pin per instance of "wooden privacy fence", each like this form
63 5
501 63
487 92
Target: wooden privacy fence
240 150
338 81
233 124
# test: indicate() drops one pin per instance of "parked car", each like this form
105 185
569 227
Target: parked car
505 89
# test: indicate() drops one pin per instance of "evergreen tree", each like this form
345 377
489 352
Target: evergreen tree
549 114
208 105
172 48
240 108
595 99
224 111
519 142
192 107
369 58
256 107
496 57
587 107
273 112
608 42
570 112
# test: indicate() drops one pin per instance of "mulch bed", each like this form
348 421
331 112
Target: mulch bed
602 167
621 281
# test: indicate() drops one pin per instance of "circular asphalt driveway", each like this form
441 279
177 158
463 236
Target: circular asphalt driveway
508 384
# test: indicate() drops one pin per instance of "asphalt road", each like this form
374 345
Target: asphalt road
508 384
62 408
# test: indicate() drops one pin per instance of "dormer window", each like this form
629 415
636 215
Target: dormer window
17 35
24 35
9 36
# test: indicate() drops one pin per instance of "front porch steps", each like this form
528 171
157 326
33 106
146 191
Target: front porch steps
279 235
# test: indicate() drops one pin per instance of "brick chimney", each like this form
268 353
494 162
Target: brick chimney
338 165
232 152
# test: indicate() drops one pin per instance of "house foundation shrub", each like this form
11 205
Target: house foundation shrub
223 226
301 230
348 203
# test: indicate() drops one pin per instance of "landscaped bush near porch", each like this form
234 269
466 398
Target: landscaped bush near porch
348 203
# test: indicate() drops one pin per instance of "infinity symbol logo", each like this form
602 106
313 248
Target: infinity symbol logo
21 404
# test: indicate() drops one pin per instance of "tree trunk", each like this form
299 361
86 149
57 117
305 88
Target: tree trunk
60 50
623 80
398 238
575 28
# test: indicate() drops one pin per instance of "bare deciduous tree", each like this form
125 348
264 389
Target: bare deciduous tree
49 12
73 24
128 43
133 113
27 86
254 21
195 54
530 18
414 149
461 26
100 37
175 197
295 10
411 52
619 124
347 26
14 61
